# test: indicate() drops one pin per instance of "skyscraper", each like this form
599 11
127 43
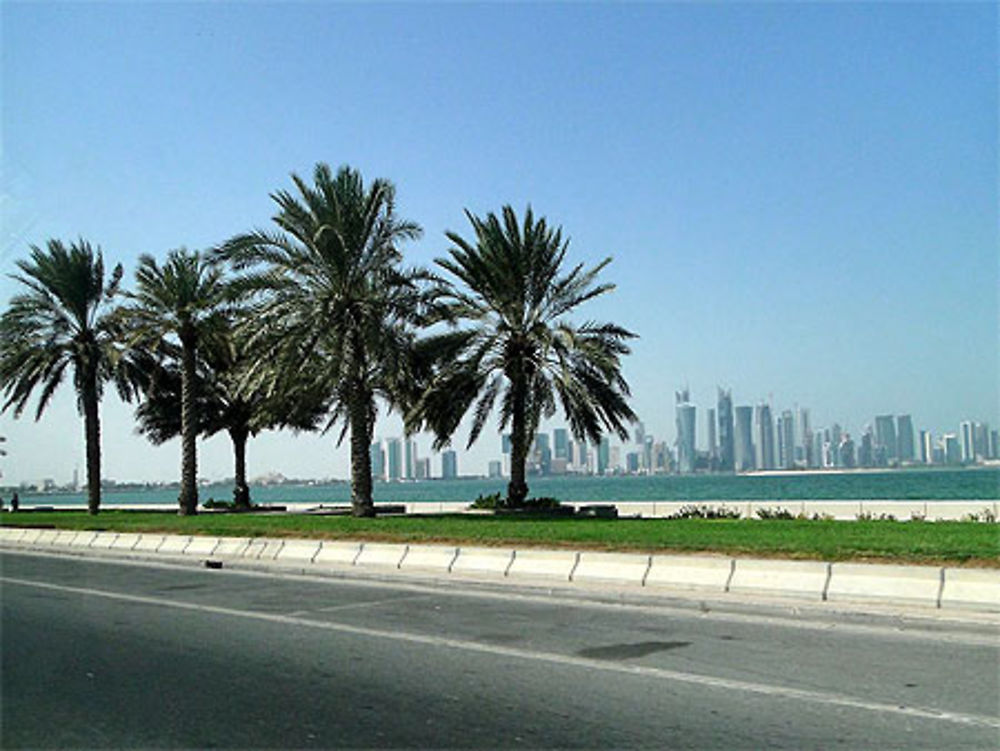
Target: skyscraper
904 438
410 470
926 447
726 441
786 440
561 443
685 432
743 445
603 455
885 438
449 465
378 461
395 452
966 442
765 437
713 446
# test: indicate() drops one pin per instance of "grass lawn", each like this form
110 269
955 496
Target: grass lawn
966 543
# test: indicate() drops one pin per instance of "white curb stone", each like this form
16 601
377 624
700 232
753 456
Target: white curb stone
298 551
545 564
690 572
891 584
65 537
614 568
974 589
202 545
482 561
380 555
429 558
149 543
174 544
125 541
231 547
83 539
805 579
337 553
103 540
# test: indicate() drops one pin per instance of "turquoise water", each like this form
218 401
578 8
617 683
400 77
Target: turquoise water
964 484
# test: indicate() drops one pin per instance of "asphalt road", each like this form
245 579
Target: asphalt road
101 654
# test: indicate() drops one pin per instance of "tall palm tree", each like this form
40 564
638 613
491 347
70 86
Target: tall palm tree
65 319
222 404
334 309
518 346
180 307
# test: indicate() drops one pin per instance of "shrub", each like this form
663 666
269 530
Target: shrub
491 501
774 513
701 511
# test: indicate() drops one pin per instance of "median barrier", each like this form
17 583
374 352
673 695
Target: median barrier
482 561
202 545
174 544
689 572
298 551
125 541
886 583
802 579
972 589
148 543
429 558
613 568
545 564
337 553
103 540
231 547
380 555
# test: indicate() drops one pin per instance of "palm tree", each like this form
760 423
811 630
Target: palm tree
180 307
65 319
335 309
518 346
222 404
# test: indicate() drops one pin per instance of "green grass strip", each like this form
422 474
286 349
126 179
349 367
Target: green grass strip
966 543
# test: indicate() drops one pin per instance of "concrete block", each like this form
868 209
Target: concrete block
263 549
545 564
64 538
30 535
174 544
804 579
202 546
380 555
971 589
690 572
125 541
614 568
920 585
46 537
103 540
337 553
10 535
298 551
429 558
83 539
482 561
636 508
231 547
254 548
149 543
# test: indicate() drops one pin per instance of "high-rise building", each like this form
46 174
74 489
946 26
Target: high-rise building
395 453
410 470
727 457
765 437
713 446
804 451
640 432
603 455
377 454
952 451
449 465
885 439
845 452
981 441
561 443
685 432
743 457
995 444
966 442
904 438
424 468
495 469
926 447
786 440
866 452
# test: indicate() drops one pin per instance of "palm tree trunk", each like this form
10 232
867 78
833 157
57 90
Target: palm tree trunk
188 499
361 461
517 489
92 437
241 493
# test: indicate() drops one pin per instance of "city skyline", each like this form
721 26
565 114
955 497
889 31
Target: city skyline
799 199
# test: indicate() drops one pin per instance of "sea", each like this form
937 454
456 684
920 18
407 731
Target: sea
981 483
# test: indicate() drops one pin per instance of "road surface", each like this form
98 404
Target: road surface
104 654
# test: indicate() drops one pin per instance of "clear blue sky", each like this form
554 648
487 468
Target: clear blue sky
801 199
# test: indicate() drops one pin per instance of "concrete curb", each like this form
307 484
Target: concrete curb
925 587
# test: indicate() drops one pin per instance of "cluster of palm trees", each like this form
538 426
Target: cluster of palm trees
316 323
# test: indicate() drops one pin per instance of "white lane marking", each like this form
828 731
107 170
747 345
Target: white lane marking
815 697
357 605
